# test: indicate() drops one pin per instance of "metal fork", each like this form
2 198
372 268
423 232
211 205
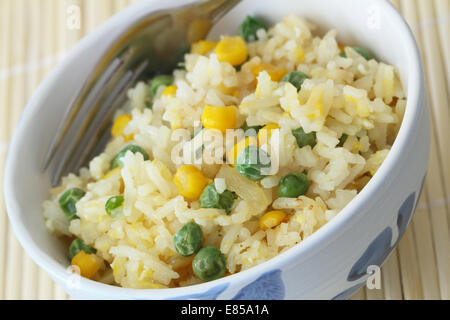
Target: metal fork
151 45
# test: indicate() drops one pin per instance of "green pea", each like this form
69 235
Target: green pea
293 185
342 140
161 80
210 198
68 200
303 138
296 78
209 264
117 161
78 245
363 52
249 27
114 206
188 239
251 163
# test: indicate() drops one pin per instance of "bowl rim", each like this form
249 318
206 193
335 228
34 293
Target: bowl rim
415 97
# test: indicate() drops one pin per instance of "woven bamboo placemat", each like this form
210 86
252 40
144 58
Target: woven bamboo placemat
34 36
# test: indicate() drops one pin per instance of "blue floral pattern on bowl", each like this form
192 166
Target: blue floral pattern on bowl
375 254
404 214
380 248
348 292
269 286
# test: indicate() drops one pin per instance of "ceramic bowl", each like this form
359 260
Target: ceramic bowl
334 261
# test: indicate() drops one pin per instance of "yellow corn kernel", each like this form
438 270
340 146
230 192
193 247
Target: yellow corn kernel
119 125
275 73
232 50
114 172
220 118
272 219
203 46
87 263
266 132
238 147
190 182
170 91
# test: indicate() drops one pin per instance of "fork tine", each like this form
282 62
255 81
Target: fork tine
79 150
73 110
158 36
102 121
84 113
116 102
103 138
70 158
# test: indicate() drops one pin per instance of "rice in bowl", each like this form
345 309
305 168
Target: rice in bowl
326 134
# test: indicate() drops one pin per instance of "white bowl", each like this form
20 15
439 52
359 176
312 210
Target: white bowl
333 262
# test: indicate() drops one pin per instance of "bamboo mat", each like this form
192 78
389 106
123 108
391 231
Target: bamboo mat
33 38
